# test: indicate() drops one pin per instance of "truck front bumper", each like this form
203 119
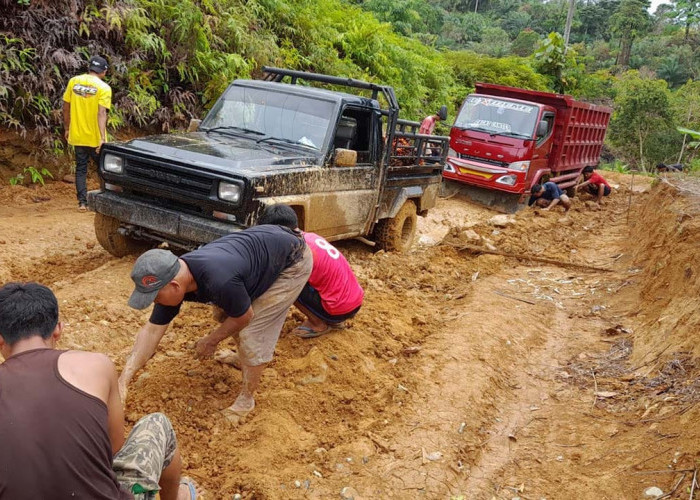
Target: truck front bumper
145 220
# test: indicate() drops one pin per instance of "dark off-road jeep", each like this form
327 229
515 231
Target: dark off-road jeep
348 166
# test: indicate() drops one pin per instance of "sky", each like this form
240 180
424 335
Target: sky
655 4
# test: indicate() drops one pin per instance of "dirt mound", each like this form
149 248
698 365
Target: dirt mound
666 292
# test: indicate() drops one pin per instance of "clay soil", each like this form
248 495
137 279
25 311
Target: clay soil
465 375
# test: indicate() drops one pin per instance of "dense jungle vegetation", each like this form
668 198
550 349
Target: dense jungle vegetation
171 58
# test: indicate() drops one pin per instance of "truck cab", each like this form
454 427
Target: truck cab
505 140
320 151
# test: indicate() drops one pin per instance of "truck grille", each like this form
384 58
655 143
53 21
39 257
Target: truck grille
170 177
483 160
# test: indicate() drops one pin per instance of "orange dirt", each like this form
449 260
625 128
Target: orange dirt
462 376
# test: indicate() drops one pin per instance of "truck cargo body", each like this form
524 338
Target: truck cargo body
509 139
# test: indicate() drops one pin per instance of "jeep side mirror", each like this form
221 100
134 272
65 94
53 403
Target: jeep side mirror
194 125
542 128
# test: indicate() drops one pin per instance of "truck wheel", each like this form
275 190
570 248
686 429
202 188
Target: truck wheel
397 234
106 230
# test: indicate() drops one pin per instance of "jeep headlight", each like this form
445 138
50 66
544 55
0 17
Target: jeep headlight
519 165
113 163
229 192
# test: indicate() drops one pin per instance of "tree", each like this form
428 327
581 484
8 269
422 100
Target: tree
687 12
629 21
554 61
642 123
525 43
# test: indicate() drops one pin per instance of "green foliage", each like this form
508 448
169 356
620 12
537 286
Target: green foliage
559 65
642 120
616 166
630 20
525 43
36 176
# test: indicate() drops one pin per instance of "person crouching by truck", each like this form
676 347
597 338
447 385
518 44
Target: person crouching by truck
332 294
597 186
548 196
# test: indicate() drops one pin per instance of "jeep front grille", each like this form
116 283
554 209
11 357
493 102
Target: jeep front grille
169 177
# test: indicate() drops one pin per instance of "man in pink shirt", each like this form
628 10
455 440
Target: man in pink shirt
332 294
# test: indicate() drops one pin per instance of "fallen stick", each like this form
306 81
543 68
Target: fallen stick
692 485
497 292
554 262
667 495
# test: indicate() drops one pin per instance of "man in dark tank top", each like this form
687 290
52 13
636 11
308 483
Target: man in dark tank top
61 418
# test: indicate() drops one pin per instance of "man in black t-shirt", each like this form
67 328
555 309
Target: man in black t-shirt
254 276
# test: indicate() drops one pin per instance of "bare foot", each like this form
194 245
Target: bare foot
240 409
189 490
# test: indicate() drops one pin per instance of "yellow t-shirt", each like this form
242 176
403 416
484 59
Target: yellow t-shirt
85 93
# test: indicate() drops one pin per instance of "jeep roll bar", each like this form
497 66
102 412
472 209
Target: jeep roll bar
278 74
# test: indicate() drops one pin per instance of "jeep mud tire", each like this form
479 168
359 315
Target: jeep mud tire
106 230
397 234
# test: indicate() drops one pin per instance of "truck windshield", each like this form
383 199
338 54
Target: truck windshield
292 119
497 117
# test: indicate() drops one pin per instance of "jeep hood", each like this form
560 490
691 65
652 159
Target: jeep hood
223 152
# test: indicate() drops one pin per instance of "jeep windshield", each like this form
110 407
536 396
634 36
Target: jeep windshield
497 117
264 115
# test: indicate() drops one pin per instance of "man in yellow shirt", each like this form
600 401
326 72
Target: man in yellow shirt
85 103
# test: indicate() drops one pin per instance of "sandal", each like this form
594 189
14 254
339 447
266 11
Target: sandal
191 487
306 332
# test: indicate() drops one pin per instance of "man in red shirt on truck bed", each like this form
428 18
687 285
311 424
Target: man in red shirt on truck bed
597 186
332 294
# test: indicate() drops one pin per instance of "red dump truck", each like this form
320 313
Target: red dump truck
505 140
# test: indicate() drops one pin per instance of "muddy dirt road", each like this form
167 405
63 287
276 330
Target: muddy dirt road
464 376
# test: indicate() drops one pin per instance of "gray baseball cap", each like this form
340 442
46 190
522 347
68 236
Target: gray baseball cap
152 271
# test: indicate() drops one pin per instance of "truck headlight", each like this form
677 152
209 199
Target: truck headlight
449 168
113 163
451 152
508 180
229 192
519 165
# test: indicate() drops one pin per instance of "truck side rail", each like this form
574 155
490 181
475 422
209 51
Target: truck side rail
412 149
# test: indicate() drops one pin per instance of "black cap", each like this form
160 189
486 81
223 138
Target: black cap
98 64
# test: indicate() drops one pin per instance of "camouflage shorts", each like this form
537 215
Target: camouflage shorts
148 450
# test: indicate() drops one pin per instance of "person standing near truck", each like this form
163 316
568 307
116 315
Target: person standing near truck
427 126
86 100
597 186
254 276
548 196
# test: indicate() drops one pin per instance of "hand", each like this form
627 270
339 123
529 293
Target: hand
65 134
205 348
97 149
123 390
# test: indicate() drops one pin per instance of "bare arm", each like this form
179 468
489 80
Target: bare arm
553 204
147 340
601 192
115 412
102 124
207 345
583 184
66 118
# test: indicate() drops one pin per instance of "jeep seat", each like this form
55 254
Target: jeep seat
345 136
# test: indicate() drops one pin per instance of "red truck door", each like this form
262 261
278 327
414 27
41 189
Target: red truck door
543 148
